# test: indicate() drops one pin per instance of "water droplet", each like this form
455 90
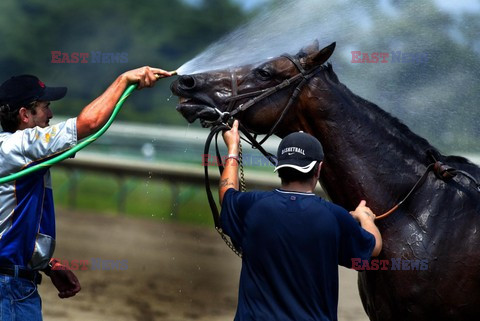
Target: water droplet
186 130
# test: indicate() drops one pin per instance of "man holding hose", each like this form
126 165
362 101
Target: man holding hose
27 218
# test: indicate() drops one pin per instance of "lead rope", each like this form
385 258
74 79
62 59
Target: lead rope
243 185
211 200
228 242
243 188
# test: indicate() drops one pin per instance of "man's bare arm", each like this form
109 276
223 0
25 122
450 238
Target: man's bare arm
229 178
97 113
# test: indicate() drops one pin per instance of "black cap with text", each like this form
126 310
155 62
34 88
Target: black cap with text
300 151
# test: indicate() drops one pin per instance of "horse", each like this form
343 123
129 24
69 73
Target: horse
371 155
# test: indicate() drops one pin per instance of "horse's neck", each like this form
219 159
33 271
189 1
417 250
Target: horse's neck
368 153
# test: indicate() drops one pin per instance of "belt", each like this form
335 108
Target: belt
30 275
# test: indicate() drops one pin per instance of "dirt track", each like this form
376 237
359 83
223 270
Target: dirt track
174 272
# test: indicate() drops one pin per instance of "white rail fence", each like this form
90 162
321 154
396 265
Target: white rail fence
173 174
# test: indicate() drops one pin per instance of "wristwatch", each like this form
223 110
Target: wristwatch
49 267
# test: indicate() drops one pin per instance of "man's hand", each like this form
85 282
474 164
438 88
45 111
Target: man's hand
363 212
365 216
232 139
64 280
97 113
145 76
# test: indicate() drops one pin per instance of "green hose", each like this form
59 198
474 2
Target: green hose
69 152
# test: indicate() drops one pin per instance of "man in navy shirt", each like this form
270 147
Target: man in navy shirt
292 241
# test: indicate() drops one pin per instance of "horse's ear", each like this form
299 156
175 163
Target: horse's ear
313 47
318 57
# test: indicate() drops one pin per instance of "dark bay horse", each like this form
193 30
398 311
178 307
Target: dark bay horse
368 155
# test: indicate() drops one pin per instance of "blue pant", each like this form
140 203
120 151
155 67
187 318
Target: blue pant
19 300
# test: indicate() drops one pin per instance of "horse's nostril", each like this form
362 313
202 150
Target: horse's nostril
187 82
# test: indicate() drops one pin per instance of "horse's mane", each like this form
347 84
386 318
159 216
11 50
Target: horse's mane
421 143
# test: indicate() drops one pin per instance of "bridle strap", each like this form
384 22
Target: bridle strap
211 200
414 188
255 144
260 94
293 97
296 62
214 135
264 93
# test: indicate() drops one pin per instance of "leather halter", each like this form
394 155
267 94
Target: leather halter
221 124
301 78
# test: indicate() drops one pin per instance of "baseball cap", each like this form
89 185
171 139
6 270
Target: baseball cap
19 91
300 151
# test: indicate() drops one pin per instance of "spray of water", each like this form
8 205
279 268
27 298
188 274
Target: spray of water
421 95
270 34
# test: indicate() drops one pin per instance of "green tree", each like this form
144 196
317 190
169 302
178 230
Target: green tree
163 33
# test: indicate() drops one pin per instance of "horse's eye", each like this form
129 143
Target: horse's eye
262 73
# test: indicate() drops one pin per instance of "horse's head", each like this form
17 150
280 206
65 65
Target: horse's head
257 95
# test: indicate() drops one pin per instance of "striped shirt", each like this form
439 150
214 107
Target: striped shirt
27 216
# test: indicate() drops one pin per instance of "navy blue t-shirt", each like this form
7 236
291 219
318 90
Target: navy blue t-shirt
292 244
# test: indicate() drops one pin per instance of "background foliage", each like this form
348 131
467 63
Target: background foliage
438 99
162 33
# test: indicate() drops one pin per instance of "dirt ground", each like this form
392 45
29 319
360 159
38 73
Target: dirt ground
156 271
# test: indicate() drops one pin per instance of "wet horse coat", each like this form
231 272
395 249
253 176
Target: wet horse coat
369 155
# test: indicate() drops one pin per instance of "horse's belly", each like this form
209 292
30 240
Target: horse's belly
406 296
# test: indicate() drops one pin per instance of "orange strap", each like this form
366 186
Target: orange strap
417 184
